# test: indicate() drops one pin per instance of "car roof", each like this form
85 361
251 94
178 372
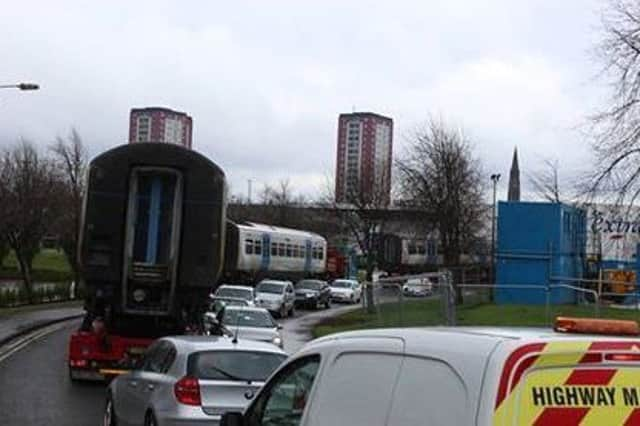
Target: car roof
241 287
208 343
445 341
245 309
274 282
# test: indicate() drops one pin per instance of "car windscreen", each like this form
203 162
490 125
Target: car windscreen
342 284
309 285
244 366
240 293
246 318
273 288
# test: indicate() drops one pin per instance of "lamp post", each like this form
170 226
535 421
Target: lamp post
494 178
20 86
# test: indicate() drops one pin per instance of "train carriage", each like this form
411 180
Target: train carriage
254 251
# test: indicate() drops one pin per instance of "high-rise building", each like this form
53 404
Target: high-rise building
514 178
162 125
363 166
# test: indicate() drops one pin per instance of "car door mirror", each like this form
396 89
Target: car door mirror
232 419
279 326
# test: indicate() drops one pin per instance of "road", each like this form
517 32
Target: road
37 391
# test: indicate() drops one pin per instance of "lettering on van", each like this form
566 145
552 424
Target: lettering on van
585 396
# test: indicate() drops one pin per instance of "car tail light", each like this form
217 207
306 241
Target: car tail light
187 391
78 363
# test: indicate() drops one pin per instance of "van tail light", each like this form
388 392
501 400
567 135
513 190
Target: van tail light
623 357
187 391
597 326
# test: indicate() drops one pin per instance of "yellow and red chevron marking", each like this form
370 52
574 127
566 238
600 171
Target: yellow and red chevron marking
565 383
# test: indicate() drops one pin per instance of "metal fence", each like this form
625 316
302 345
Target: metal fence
398 302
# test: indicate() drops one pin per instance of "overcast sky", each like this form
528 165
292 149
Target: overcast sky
265 81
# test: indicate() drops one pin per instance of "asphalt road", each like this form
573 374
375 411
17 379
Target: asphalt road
35 388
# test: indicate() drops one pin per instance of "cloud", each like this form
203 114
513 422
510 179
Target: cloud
266 81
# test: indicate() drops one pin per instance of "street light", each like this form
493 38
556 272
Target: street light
20 86
494 178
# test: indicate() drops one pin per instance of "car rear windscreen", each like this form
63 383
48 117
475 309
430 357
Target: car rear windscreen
235 365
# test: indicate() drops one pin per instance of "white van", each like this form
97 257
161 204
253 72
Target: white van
457 376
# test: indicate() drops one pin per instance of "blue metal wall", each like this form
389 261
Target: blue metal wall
538 244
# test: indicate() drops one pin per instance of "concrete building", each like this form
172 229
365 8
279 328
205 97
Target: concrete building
162 125
363 164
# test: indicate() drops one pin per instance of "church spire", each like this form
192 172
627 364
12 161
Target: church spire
514 178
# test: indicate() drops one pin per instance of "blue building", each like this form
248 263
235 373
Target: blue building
539 244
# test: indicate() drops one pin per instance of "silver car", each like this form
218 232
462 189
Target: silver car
252 323
278 297
190 380
237 292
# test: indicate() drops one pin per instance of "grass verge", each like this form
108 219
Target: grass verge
428 312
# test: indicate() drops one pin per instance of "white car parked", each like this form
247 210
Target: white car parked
349 291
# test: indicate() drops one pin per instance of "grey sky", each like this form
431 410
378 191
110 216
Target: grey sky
265 81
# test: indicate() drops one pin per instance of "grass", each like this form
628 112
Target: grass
46 260
6 312
49 265
429 312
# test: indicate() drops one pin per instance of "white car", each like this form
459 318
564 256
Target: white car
253 324
349 291
237 292
417 287
277 297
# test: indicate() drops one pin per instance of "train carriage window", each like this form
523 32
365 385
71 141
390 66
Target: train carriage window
281 249
248 246
289 251
302 252
320 253
257 247
431 248
274 249
296 252
411 247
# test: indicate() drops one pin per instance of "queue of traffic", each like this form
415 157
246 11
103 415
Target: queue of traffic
196 379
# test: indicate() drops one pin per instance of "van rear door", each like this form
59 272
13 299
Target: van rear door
570 382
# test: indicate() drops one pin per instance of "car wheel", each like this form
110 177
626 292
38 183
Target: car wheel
283 311
109 418
292 311
150 419
327 304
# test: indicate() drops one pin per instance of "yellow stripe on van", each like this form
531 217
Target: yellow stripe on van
554 354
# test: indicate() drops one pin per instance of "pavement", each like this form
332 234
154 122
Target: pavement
21 323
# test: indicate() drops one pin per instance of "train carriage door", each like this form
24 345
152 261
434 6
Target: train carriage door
307 259
153 229
266 252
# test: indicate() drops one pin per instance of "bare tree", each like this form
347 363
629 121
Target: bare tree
440 176
71 160
363 215
546 182
616 128
28 190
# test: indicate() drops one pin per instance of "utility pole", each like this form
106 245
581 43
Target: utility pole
494 178
249 191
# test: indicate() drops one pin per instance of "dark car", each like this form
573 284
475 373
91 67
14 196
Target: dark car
313 293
